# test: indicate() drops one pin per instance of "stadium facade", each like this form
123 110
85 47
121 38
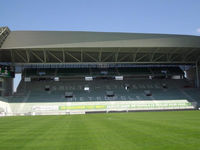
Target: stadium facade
65 72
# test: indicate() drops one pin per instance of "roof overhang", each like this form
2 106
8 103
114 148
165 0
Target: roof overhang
26 47
77 39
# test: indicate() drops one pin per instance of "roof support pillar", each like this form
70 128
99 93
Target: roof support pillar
45 56
100 55
117 54
12 56
81 55
63 52
27 56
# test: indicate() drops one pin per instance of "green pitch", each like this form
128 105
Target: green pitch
116 131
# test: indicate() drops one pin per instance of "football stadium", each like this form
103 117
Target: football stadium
128 90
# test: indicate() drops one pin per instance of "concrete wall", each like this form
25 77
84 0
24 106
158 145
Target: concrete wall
7 86
106 106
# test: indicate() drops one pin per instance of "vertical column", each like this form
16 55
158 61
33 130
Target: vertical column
1 87
197 75
6 86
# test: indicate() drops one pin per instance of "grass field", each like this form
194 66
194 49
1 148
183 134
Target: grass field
117 131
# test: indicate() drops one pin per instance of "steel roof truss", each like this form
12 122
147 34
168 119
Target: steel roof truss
72 56
38 57
54 56
96 60
22 57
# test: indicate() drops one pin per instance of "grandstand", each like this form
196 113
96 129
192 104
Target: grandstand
67 72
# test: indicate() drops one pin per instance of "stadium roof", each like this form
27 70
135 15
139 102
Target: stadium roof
78 46
68 39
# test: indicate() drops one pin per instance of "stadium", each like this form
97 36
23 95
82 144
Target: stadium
73 72
92 74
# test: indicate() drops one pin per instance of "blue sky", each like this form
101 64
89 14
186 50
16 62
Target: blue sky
144 16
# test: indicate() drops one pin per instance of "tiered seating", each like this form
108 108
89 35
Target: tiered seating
32 95
125 71
30 72
98 90
134 71
73 72
166 70
175 71
103 72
